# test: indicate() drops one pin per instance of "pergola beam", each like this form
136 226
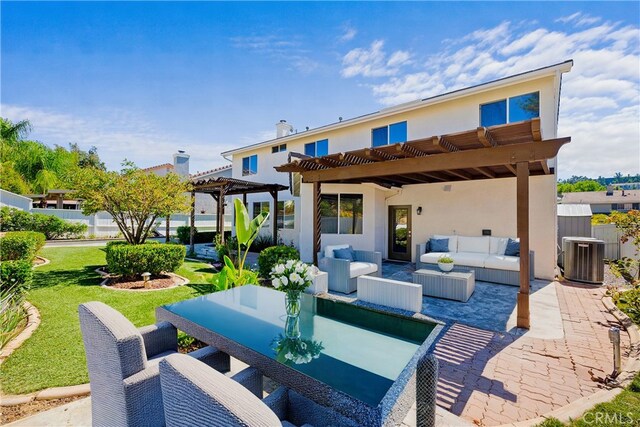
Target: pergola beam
466 159
485 137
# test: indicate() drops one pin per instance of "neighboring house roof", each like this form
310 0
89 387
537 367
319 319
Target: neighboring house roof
413 105
211 171
600 197
574 210
162 166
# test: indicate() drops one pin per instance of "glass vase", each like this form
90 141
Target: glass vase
292 305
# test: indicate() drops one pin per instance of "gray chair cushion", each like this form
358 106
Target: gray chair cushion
194 394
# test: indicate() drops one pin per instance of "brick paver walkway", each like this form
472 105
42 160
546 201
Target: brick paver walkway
491 378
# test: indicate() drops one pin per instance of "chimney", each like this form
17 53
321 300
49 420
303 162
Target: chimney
181 163
610 190
283 129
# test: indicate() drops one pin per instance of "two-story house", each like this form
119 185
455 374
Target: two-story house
368 216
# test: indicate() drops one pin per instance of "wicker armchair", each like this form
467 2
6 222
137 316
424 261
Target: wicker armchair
123 366
343 274
196 396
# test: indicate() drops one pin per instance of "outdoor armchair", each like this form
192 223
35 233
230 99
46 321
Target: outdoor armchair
123 366
343 274
194 395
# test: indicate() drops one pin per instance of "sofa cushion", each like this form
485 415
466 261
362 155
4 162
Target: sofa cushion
344 253
469 259
478 245
328 250
359 268
503 262
427 246
453 241
439 245
513 248
433 257
497 245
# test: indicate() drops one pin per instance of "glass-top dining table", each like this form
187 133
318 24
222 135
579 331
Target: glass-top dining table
362 362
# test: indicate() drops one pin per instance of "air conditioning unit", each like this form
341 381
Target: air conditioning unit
583 259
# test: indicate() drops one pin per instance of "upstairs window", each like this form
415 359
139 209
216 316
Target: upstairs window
317 148
516 109
279 148
250 165
394 133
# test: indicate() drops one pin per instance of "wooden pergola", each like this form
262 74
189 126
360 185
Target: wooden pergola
220 187
504 151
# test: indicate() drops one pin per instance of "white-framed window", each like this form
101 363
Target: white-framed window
250 165
510 110
286 214
278 148
391 134
341 213
317 148
259 207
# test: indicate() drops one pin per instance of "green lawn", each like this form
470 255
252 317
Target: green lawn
54 355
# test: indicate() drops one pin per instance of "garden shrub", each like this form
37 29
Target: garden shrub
16 274
262 242
18 245
52 227
132 260
269 257
184 235
15 278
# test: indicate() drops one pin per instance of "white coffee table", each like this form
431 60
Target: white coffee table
457 286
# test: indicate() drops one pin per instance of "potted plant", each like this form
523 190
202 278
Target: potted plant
445 263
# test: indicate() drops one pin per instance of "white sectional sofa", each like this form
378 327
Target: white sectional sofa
483 254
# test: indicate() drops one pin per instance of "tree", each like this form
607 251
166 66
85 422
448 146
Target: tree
578 186
134 198
87 159
11 132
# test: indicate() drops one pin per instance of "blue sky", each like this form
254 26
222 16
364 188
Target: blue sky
141 80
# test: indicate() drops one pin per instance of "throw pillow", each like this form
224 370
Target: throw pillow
513 248
427 246
439 245
346 253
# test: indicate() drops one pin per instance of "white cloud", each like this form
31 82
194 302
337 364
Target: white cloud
278 48
600 96
348 34
117 134
373 62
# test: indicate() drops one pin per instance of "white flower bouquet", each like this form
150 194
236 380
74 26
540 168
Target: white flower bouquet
292 276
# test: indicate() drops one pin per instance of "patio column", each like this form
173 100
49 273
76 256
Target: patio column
167 228
317 230
274 218
192 231
221 213
522 187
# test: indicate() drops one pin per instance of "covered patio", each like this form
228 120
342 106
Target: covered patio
221 187
505 151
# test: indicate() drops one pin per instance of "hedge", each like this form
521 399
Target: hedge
184 235
20 245
16 275
269 257
51 226
132 260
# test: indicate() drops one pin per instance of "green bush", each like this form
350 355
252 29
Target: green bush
184 235
16 245
132 260
262 242
52 227
16 274
269 257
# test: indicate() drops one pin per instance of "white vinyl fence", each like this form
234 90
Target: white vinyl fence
613 248
13 200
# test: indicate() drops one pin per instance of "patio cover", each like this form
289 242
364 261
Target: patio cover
220 187
502 151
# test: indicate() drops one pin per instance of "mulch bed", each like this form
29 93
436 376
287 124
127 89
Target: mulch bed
12 413
160 282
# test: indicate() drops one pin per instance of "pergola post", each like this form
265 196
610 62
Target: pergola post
221 214
167 228
522 188
274 219
316 220
192 231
